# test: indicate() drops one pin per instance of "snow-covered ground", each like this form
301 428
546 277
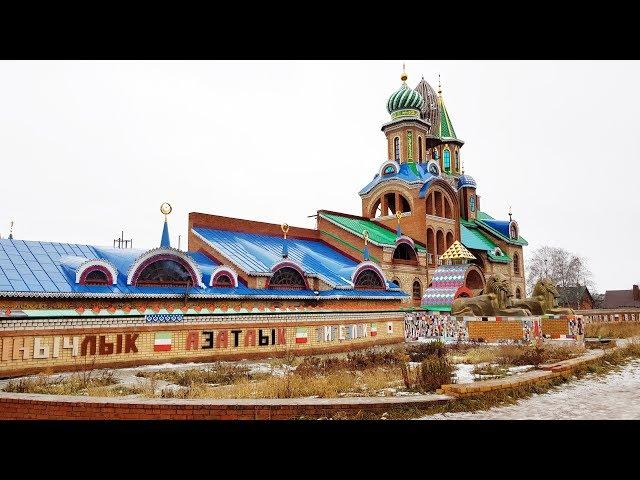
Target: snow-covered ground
615 396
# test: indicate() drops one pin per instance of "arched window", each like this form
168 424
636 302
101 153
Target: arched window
420 149
474 280
513 230
96 277
404 252
457 160
446 155
439 243
516 264
449 239
431 246
165 272
223 281
287 278
396 149
389 170
368 279
417 290
518 293
472 203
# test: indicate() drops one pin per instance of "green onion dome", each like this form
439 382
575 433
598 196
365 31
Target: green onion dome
404 98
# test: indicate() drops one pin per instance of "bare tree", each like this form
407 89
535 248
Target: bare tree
564 268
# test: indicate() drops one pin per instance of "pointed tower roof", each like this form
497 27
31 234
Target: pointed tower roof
429 110
457 251
164 241
445 127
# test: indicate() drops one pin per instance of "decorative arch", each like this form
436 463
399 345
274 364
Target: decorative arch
404 252
433 168
416 290
449 239
288 275
219 274
440 248
518 292
474 280
403 205
441 199
361 269
87 273
431 245
157 255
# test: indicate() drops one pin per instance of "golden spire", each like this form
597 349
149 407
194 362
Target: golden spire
439 86
285 228
403 77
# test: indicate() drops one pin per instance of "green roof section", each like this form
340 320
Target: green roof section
352 247
472 237
378 235
446 127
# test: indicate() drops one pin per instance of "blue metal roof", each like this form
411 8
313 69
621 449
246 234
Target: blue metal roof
257 253
32 268
408 172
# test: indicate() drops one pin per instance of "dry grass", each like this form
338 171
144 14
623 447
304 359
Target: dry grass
76 384
218 373
495 371
612 330
518 354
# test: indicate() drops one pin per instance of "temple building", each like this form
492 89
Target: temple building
421 235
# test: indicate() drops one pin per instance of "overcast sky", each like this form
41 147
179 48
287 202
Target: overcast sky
92 148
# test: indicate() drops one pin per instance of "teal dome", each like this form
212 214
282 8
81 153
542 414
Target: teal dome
405 97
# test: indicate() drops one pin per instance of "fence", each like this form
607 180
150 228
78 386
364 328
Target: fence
610 315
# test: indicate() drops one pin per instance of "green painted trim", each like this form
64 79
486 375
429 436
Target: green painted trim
347 244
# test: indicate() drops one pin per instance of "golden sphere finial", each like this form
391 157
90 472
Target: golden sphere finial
403 77
398 215
285 229
165 208
365 234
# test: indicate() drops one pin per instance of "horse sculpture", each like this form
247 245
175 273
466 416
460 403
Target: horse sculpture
544 300
493 300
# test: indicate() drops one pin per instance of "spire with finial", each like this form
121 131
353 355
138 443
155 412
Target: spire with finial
509 212
11 230
285 250
398 229
365 253
439 86
404 77
462 167
165 242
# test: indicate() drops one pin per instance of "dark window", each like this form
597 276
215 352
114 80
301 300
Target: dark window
404 252
457 160
287 278
518 294
396 149
417 290
165 273
369 280
96 277
516 264
396 282
223 281
420 149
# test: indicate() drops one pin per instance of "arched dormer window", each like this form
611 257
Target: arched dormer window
165 273
223 277
420 149
369 280
405 252
96 277
165 267
417 290
287 276
96 272
446 157
457 160
396 149
513 230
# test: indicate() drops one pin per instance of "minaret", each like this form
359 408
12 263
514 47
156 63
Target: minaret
165 242
407 131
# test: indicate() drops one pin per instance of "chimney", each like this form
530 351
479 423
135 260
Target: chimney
636 293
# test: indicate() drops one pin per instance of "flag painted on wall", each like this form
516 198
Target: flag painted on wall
374 329
162 342
301 335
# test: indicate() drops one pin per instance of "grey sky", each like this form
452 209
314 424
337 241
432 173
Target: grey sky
90 148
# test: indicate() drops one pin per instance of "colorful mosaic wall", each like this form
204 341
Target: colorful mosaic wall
422 325
30 345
